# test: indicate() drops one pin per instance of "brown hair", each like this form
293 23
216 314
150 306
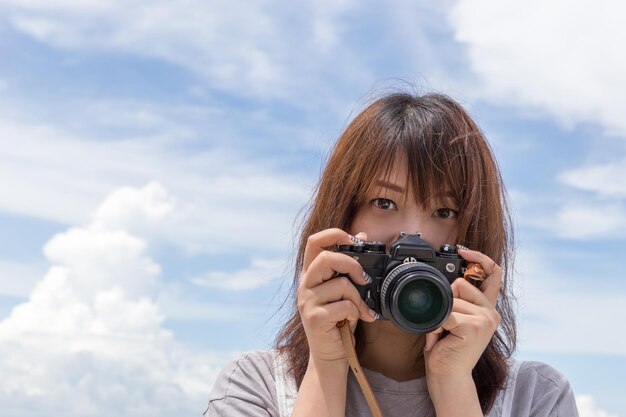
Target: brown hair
444 148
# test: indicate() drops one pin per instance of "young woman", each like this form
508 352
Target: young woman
413 164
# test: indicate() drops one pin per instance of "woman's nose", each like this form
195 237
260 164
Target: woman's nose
412 225
417 224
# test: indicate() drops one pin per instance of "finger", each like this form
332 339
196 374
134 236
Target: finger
456 321
432 338
468 325
463 290
324 239
465 307
342 289
491 285
330 264
335 312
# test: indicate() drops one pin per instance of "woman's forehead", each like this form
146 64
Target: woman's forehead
395 177
394 167
395 172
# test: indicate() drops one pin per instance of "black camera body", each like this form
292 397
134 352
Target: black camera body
410 283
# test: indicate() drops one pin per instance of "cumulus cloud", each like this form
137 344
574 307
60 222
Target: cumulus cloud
90 339
555 60
587 407
139 211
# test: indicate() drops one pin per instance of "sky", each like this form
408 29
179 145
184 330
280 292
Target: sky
155 157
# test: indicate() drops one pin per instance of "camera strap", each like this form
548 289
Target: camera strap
353 361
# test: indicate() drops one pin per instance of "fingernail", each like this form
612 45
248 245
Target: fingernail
374 314
356 240
461 247
367 278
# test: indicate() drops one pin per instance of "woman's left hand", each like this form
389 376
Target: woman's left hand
471 324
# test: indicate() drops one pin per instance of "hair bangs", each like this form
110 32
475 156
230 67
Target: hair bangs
381 168
435 171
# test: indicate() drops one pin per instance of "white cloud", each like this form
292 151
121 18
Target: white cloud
606 180
591 205
215 189
246 47
139 211
587 407
561 57
585 219
90 340
261 272
596 210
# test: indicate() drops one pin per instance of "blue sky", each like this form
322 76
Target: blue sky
154 157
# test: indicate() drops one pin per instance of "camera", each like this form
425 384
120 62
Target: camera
410 283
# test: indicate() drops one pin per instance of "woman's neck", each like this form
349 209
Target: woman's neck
392 352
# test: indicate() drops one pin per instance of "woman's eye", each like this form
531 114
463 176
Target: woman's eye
446 213
384 204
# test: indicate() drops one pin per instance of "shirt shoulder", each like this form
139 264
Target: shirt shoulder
246 386
542 391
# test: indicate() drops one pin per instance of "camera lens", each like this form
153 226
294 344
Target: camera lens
416 297
420 301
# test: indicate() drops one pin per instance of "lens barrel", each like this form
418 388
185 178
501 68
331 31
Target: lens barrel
416 297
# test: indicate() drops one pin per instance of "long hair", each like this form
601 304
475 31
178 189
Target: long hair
445 149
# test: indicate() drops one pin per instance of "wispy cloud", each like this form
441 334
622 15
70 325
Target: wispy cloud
214 188
598 208
256 49
261 272
590 205
585 219
605 180
176 303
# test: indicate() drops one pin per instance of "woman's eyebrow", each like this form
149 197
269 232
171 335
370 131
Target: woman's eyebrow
397 188
391 186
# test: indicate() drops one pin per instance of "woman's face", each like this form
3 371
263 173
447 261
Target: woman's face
390 208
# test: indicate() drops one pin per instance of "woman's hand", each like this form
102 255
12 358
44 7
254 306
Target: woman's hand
450 356
324 300
471 324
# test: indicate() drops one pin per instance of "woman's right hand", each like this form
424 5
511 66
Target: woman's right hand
324 300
